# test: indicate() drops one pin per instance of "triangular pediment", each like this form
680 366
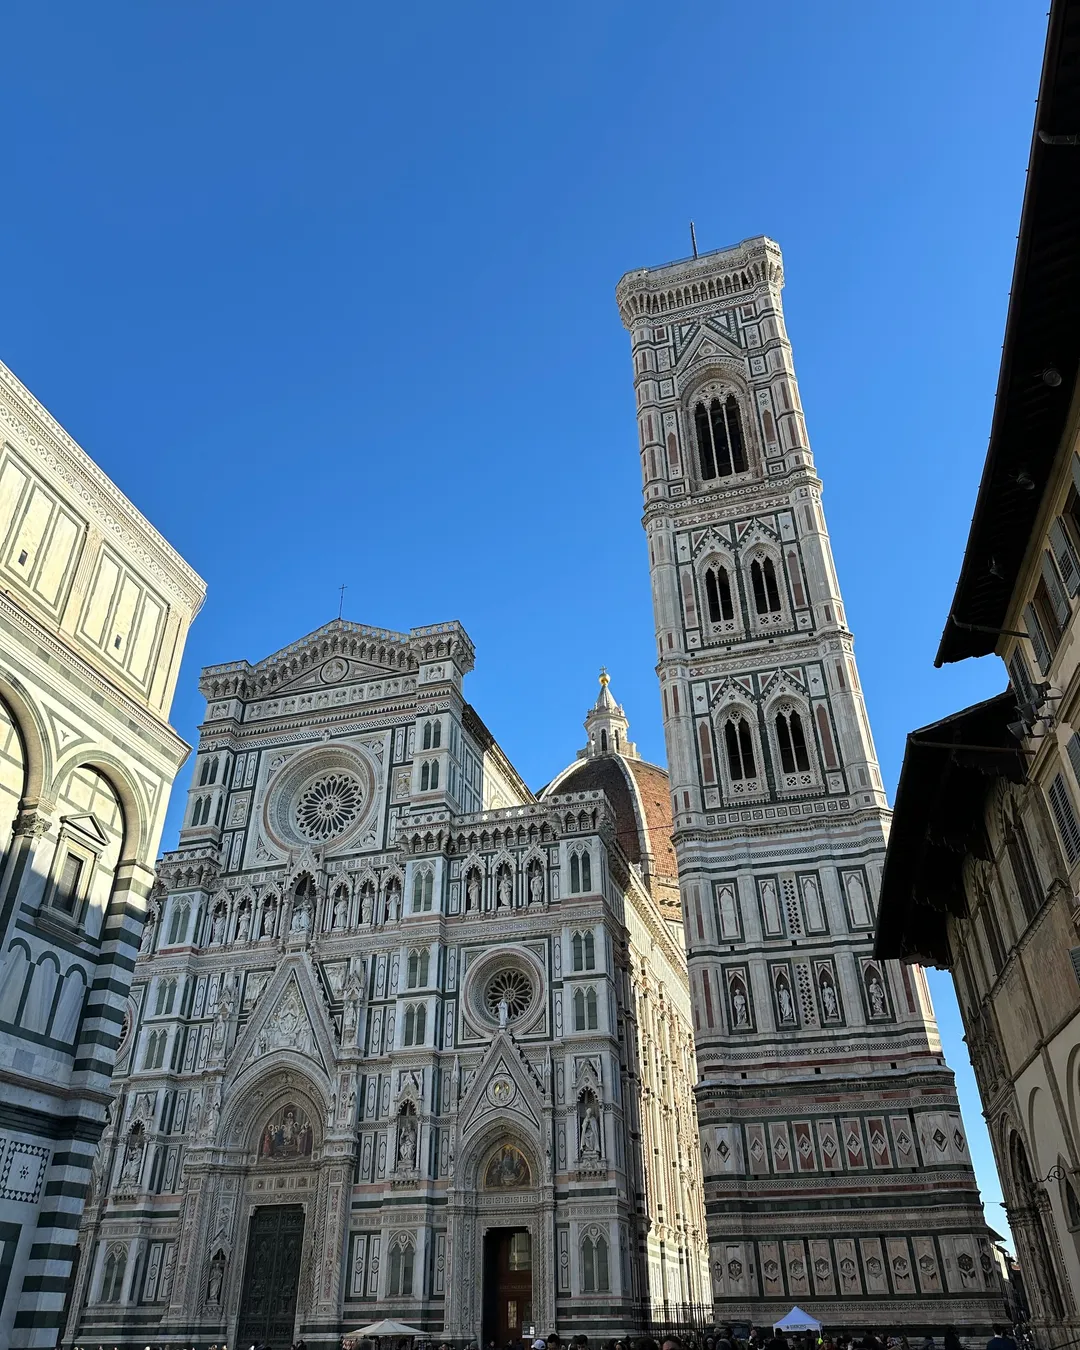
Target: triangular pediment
87 825
329 656
505 1085
289 1017
333 673
708 343
315 641
683 335
755 531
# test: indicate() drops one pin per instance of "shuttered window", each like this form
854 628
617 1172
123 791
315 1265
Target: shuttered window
1038 641
1065 557
1065 819
1074 755
1058 599
1021 680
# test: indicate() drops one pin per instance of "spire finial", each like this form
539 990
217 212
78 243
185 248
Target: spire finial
605 678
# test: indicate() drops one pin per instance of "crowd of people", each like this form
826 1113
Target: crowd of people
722 1338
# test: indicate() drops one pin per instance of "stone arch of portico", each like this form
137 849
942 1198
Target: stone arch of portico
33 737
474 1210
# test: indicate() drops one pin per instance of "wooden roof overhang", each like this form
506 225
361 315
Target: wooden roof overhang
949 768
1042 336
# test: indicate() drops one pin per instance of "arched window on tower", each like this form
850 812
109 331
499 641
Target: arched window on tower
418 969
718 594
436 735
585 1006
739 744
434 774
402 1255
721 449
763 583
423 890
112 1281
584 950
415 1024
580 874
791 740
427 735
594 1265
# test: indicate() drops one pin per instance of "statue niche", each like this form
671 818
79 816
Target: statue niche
287 1135
589 1128
507 1170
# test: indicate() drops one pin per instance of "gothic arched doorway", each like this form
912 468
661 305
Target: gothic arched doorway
504 1284
275 1234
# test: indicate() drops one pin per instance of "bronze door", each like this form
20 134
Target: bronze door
271 1275
507 1285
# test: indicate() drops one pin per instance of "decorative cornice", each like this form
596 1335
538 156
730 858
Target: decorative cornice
37 429
694 285
397 653
114 697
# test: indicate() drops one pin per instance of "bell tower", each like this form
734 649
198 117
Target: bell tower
837 1173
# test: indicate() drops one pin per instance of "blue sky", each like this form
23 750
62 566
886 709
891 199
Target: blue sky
329 293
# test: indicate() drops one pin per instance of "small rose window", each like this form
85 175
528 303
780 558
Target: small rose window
328 807
512 987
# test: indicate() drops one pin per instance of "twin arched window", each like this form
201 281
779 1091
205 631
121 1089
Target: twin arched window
580 874
112 1280
432 735
739 744
594 1266
209 771
791 741
763 583
154 1055
721 448
179 922
415 1024
718 594
402 1255
584 1009
584 947
166 992
418 969
429 776
423 890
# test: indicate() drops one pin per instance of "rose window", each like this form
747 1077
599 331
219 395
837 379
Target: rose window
512 987
328 807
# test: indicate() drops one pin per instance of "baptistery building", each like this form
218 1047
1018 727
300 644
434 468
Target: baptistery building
405 1038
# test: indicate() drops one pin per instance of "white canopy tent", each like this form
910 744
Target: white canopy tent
797 1320
387 1327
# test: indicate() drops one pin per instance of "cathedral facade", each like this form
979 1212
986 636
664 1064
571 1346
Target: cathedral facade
836 1166
405 1039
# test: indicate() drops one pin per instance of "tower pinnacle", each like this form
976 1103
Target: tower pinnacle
607 726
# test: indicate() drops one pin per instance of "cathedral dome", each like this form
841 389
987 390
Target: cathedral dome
639 794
